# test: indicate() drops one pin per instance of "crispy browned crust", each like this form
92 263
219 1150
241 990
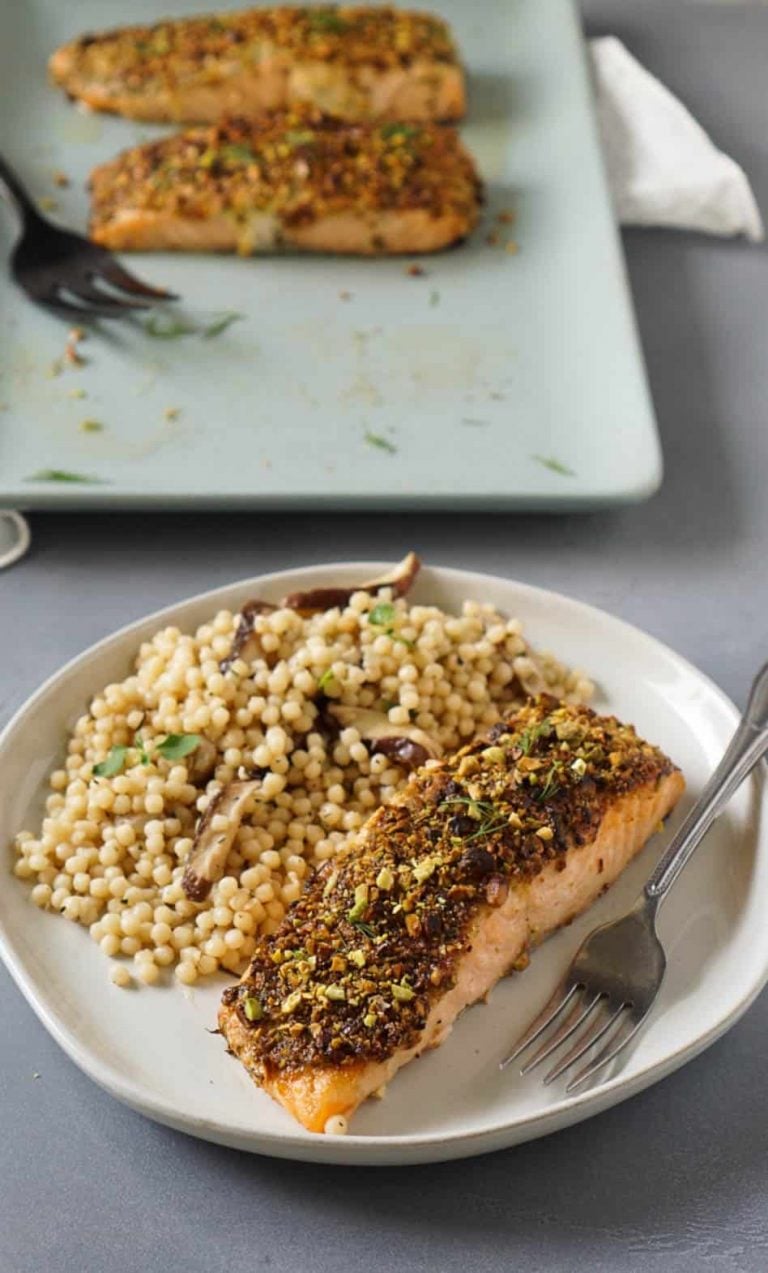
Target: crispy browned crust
352 974
302 168
160 71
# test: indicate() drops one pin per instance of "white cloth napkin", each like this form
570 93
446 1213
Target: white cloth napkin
662 167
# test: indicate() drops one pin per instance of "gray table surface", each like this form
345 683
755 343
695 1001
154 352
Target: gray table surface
676 1179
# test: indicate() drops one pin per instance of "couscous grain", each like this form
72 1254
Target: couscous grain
125 809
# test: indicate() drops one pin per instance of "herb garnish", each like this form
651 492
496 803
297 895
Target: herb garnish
220 325
236 152
322 20
168 326
171 326
383 444
555 465
397 130
325 679
364 928
551 785
62 475
91 426
114 763
482 811
138 743
177 746
382 614
531 735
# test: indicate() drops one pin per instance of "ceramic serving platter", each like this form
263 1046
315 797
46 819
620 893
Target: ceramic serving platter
507 375
150 1047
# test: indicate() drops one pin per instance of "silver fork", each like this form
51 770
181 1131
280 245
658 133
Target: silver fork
66 272
617 971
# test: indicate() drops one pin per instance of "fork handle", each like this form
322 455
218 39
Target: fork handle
748 745
14 191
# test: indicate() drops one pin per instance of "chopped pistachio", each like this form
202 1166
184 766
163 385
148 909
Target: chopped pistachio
579 767
337 993
291 1002
253 1009
545 833
493 755
370 1020
422 870
361 902
402 993
385 879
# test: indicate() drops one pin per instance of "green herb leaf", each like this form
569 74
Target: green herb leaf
401 640
177 746
220 325
551 784
253 1008
434 298
138 743
382 614
91 426
62 475
299 137
397 129
236 152
364 928
530 736
322 20
555 465
325 679
383 444
168 326
114 764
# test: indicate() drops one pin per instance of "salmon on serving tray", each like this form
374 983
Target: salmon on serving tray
297 180
354 62
478 859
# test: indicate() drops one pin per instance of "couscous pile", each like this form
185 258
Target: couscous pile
153 752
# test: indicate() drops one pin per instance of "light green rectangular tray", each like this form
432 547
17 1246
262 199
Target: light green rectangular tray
499 379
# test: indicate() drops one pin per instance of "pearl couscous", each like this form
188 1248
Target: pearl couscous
124 810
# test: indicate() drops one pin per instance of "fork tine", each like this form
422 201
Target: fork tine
115 275
552 1009
611 1050
569 1027
593 1034
95 298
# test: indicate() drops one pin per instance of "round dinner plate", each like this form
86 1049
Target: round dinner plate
150 1048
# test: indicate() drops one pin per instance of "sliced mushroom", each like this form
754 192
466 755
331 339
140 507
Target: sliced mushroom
201 762
205 863
407 745
400 580
245 644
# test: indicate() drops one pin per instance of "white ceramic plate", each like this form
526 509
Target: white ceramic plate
150 1048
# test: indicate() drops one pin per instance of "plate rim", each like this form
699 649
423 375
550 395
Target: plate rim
358 1149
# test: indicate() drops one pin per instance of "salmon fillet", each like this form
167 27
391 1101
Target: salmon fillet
481 857
357 63
300 180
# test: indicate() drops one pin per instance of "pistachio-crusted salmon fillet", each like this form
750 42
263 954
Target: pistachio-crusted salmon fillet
480 857
355 62
300 180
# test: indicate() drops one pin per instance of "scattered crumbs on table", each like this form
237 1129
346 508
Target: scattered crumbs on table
221 323
77 393
555 465
35 1074
474 423
345 296
63 475
414 270
512 247
492 239
171 413
266 464
505 217
381 443
498 397
72 353
91 426
60 178
434 298
48 203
